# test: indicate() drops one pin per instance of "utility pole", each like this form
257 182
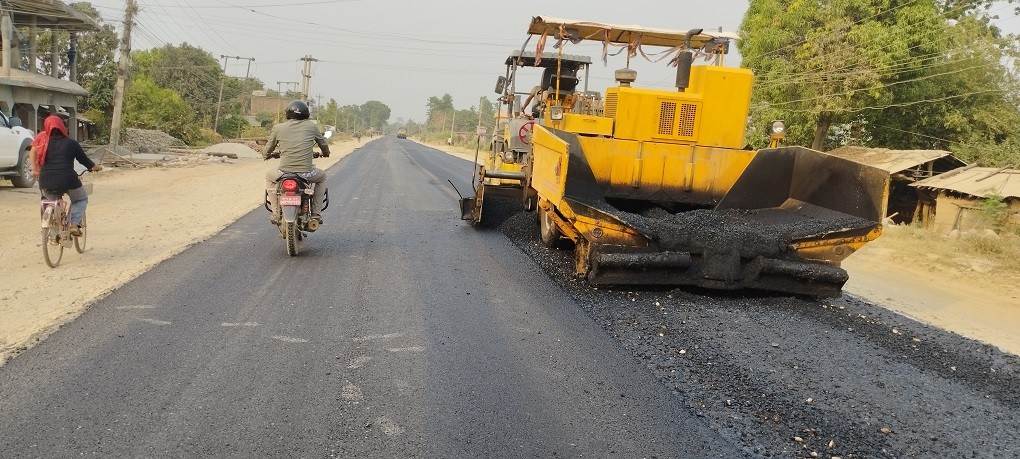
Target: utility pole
223 81
453 122
123 64
279 89
306 75
480 111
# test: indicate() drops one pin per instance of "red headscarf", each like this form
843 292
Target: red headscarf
42 140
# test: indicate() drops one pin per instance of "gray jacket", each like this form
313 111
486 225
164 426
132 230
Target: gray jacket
293 139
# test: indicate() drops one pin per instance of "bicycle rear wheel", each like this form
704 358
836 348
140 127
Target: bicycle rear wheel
53 251
79 241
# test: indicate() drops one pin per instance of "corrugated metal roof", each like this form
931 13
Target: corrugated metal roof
977 181
892 161
25 79
49 14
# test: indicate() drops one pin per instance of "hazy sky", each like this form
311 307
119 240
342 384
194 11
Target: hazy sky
399 52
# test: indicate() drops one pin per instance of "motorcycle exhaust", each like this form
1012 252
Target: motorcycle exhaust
312 225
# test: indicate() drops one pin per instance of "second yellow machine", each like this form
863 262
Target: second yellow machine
656 186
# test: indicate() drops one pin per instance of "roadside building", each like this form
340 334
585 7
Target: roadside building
957 199
25 91
905 167
262 102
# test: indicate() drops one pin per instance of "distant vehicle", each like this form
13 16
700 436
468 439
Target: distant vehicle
401 134
14 142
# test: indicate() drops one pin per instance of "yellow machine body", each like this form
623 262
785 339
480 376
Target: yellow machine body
656 186
779 219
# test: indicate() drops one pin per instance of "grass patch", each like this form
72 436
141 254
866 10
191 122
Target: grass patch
977 253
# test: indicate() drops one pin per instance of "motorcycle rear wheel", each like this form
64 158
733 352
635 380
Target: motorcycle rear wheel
291 236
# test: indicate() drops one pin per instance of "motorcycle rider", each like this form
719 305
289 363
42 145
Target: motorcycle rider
294 139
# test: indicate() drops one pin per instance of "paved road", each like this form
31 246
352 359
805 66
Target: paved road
398 332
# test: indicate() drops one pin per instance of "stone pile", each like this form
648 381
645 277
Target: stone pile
149 141
237 150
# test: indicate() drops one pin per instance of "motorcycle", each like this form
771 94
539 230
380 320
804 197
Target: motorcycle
294 210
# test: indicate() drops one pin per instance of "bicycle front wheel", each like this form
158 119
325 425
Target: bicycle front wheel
52 249
79 241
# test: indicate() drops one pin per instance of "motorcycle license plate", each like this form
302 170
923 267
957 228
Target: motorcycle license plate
290 200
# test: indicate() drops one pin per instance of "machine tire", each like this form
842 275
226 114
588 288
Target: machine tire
24 178
79 241
548 230
290 231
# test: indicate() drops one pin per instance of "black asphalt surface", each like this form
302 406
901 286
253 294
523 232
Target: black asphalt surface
399 331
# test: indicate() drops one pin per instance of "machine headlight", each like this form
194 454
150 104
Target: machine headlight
556 113
777 127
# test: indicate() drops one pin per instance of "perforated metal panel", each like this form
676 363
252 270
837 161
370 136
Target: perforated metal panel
609 110
667 118
688 116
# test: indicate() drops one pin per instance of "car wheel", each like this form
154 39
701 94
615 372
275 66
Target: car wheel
24 178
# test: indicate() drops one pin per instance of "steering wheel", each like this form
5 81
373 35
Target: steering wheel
524 133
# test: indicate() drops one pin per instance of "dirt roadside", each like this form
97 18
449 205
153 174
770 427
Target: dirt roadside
137 218
977 303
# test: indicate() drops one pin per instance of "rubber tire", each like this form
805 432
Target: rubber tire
79 241
24 178
51 261
548 230
290 231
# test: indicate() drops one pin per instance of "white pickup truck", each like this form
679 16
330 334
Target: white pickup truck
14 142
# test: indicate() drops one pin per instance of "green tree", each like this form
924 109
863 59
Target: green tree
150 106
94 51
822 62
971 104
374 115
908 74
438 106
191 72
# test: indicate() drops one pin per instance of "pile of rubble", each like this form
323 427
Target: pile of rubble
190 160
149 141
234 150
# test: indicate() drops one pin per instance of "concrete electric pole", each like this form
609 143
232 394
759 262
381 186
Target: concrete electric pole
279 90
223 81
123 65
306 74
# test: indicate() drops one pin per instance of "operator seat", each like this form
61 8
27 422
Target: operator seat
567 79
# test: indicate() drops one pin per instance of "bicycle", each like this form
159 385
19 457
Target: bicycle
56 229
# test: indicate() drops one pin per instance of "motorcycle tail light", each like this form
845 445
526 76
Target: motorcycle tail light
290 185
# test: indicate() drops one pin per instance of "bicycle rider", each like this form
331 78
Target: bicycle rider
52 157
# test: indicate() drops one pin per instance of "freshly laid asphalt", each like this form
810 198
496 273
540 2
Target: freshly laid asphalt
399 331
